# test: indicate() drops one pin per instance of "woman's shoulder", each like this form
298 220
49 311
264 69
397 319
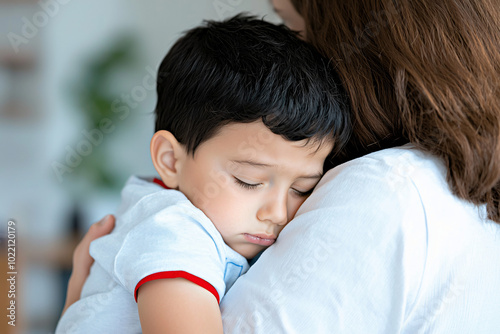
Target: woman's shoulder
389 169
383 187
404 177
396 170
406 188
406 168
403 187
402 160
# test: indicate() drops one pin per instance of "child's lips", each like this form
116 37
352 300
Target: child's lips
260 239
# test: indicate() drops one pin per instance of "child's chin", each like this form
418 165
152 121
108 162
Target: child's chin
250 251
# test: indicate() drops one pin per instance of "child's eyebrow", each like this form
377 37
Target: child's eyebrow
312 176
253 163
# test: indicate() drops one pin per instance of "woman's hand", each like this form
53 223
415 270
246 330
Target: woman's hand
82 259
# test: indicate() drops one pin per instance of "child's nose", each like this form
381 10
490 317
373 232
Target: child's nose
274 210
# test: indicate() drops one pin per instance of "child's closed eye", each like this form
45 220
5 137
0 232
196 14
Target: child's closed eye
246 185
302 193
252 186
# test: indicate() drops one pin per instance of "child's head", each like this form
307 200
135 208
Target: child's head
246 115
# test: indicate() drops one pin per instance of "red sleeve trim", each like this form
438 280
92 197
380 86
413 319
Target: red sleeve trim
177 274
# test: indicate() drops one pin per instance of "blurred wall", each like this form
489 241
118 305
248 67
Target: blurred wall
62 62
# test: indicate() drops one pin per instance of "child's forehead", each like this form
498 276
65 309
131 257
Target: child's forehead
247 141
257 130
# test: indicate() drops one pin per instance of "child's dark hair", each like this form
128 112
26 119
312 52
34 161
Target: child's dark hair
242 70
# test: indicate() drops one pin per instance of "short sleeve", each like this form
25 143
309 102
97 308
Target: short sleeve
351 261
175 240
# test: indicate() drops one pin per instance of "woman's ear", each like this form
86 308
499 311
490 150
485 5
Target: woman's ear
167 155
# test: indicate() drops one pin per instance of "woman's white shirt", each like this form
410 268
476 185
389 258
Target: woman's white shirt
381 246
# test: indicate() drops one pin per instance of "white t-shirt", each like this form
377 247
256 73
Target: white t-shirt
381 246
158 234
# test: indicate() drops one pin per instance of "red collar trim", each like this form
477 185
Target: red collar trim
160 183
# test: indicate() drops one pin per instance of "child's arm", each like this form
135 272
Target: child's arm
177 305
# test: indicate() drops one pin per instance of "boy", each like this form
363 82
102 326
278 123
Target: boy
246 116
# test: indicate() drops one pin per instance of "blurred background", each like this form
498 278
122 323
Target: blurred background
77 94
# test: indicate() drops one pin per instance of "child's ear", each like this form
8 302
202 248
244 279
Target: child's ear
167 155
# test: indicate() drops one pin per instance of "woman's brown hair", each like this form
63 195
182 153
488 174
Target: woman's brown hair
424 71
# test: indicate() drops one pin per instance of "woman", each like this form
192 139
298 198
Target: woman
403 239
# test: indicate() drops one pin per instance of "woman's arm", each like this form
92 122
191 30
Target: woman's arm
82 259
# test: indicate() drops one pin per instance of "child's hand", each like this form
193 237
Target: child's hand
82 259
